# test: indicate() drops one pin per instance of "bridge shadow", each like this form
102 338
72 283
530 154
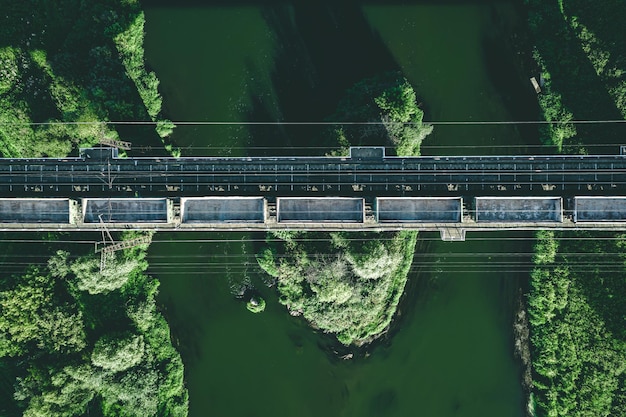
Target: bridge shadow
322 50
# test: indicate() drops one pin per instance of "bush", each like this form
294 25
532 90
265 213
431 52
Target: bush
118 352
90 278
165 128
256 305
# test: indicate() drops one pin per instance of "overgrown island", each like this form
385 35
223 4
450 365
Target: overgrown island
76 339
349 283
576 303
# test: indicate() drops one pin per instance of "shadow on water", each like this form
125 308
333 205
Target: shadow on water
187 332
507 51
383 403
322 50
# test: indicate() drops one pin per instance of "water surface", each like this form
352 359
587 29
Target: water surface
449 352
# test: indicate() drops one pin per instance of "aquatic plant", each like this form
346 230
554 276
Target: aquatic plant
256 304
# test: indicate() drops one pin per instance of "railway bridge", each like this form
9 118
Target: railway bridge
366 190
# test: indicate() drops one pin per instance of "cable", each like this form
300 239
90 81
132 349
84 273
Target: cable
422 147
377 235
320 123
418 255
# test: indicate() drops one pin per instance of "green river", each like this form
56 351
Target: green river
450 350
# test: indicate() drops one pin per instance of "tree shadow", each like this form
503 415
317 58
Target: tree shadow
508 58
322 50
77 40
606 23
573 76
186 332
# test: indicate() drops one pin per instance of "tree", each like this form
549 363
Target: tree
372 260
30 318
390 100
118 352
90 278
133 394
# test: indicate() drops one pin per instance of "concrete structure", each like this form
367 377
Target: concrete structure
125 210
599 209
519 209
35 210
223 210
419 209
365 191
320 210
320 214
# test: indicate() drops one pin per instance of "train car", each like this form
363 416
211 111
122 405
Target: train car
320 210
419 209
599 209
125 210
35 210
223 209
519 209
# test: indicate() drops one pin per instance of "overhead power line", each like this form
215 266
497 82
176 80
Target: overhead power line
318 123
422 237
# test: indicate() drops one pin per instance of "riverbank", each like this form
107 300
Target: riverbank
574 301
71 70
74 339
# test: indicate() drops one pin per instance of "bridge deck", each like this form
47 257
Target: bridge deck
541 192
103 174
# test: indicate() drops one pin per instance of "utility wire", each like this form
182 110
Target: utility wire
418 255
318 123
469 238
422 146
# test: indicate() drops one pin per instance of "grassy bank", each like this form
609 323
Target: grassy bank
575 304
349 284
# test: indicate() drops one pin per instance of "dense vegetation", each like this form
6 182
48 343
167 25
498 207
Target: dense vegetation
581 52
85 340
577 312
576 302
349 284
74 61
75 339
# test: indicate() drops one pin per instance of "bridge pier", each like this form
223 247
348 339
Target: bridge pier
452 234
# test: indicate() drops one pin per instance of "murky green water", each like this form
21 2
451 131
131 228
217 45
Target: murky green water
450 351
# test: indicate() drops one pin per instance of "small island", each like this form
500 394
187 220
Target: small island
256 304
349 284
